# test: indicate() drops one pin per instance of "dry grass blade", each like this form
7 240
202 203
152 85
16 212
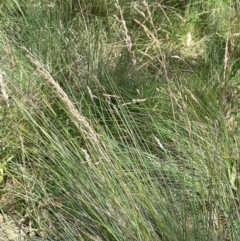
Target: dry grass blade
87 129
3 90
126 35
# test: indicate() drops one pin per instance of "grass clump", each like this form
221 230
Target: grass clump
119 120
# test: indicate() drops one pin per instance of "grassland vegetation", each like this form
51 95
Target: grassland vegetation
120 120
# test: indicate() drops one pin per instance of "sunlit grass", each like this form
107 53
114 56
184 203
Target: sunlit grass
119 121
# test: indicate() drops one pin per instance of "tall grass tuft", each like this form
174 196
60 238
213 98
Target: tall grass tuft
119 120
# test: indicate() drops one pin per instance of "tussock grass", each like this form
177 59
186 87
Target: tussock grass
119 120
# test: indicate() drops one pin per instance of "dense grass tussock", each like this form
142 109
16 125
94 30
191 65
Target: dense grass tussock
120 119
